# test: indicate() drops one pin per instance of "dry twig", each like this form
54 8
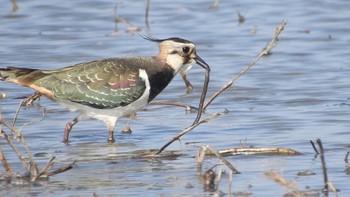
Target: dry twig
119 19
228 164
6 165
203 106
265 51
285 183
187 107
327 186
44 171
28 163
14 148
314 147
183 132
269 151
62 169
324 168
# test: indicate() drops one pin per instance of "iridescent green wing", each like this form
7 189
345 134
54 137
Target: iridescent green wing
99 84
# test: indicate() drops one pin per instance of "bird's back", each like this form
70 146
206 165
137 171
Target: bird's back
107 83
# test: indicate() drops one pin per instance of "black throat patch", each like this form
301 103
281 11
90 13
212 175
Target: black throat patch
159 80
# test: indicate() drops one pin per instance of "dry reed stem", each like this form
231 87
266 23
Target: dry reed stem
208 150
32 122
314 147
26 102
18 135
44 171
265 51
62 169
327 185
14 148
183 132
285 183
210 179
274 151
30 165
324 168
119 19
200 158
223 160
6 165
187 107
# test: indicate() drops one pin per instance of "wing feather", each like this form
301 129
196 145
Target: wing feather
99 84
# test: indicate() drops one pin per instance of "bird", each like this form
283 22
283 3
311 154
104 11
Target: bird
110 88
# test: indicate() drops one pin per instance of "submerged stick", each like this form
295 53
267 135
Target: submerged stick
265 51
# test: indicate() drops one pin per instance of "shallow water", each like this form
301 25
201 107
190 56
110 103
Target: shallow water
297 94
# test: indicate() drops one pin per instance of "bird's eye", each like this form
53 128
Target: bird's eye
186 49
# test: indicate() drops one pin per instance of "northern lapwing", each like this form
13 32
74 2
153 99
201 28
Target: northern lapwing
109 89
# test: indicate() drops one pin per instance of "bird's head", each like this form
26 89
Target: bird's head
177 52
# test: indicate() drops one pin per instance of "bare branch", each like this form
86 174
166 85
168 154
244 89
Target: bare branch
228 164
183 132
10 143
270 151
265 51
44 171
62 169
187 107
324 168
6 165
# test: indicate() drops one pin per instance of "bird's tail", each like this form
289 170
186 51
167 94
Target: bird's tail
22 76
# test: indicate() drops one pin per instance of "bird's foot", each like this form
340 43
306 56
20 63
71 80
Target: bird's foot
66 141
110 137
110 140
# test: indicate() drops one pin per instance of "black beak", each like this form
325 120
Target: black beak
202 63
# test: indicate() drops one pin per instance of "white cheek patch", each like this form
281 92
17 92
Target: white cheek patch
175 61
